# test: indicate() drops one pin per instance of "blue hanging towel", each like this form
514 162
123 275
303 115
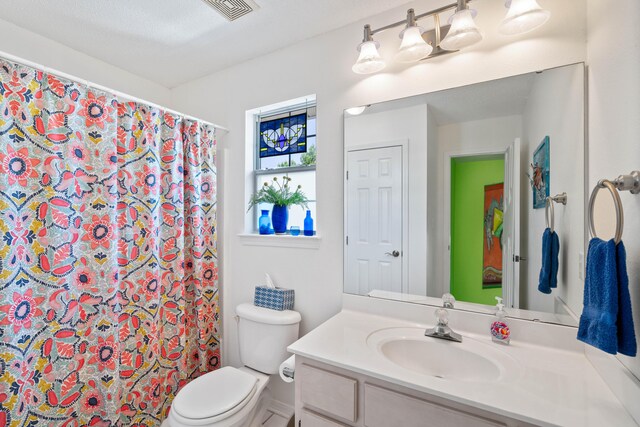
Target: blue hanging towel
555 253
626 333
606 322
548 278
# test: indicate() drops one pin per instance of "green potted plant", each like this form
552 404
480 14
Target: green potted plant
281 196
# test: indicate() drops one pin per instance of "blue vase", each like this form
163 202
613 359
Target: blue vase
279 218
308 224
264 223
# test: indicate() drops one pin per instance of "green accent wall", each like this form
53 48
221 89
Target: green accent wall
469 175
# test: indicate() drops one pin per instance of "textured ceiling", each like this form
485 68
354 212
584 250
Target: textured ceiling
175 41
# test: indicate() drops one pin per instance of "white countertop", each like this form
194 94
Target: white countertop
552 388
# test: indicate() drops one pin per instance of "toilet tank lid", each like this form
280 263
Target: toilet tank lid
268 316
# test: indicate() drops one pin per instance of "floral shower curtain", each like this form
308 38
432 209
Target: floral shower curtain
108 258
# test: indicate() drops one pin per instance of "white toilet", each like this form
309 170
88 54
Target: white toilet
231 397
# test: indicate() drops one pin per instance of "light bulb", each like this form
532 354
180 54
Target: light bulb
413 47
523 16
463 32
356 111
369 60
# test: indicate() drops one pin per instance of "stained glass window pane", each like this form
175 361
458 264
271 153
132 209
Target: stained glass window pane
311 126
283 136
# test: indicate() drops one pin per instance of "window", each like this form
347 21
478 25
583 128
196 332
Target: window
286 145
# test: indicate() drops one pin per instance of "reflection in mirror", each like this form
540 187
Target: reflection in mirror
447 192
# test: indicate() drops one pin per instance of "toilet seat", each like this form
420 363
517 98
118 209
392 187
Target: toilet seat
215 396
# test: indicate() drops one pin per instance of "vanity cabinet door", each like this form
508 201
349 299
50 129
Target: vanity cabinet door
328 392
311 419
384 408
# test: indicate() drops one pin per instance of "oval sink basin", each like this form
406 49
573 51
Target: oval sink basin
469 361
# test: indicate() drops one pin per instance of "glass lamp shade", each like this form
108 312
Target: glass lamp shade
369 60
463 32
523 16
355 111
413 47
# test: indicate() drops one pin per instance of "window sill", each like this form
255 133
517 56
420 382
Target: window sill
280 241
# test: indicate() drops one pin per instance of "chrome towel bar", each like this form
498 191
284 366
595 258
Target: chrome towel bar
548 209
629 183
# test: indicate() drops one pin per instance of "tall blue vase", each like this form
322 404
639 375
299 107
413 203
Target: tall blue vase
279 218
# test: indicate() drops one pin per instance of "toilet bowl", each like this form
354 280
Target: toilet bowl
228 397
232 397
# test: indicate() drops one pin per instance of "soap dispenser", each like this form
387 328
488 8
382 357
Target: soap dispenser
500 332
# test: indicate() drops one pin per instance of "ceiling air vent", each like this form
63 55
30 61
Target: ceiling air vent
232 9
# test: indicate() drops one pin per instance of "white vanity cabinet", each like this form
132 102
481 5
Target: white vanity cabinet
349 373
327 396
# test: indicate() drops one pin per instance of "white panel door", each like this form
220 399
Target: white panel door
374 220
511 231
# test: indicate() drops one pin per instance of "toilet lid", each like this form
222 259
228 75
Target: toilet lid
214 393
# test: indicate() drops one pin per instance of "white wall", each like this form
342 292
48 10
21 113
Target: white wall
614 125
562 119
322 65
35 48
403 124
472 137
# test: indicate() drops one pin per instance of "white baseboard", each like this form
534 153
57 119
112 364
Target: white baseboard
281 408
274 414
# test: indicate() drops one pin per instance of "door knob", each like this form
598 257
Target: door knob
394 254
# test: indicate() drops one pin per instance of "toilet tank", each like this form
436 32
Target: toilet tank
264 336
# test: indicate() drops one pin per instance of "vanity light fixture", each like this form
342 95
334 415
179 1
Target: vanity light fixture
460 33
522 17
369 61
463 32
413 47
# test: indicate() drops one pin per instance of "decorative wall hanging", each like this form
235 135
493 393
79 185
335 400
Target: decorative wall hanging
540 174
286 135
492 242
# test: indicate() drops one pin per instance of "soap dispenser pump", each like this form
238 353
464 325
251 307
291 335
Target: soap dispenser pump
500 332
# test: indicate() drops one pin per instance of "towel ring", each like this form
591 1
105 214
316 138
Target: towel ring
548 207
629 183
605 183
549 210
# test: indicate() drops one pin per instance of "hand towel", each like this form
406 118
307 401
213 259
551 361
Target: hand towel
555 253
606 322
626 333
548 278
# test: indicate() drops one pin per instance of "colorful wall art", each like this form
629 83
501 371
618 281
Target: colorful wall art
492 243
540 171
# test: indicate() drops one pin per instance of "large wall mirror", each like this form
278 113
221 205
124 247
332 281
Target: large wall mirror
447 192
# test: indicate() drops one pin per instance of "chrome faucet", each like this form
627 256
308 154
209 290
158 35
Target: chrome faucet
442 329
448 300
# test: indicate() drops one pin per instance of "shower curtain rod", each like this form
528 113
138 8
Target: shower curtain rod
117 93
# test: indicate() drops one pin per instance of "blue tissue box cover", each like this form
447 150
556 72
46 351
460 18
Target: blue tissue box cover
275 299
